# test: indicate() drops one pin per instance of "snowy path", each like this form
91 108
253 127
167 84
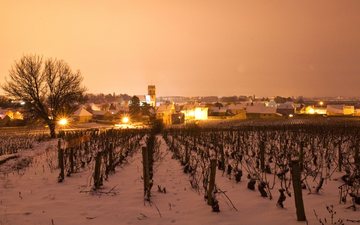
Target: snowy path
180 205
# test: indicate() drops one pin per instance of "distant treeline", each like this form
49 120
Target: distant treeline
101 98
7 103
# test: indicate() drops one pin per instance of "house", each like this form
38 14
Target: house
357 112
2 113
271 103
195 112
312 110
177 118
13 114
95 107
261 111
102 115
340 110
236 108
286 109
218 111
5 121
165 113
82 115
146 99
142 99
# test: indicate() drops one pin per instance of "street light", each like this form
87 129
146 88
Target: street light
63 121
125 119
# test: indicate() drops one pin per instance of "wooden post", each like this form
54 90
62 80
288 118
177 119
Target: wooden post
111 157
61 162
187 156
86 147
262 155
357 156
340 159
212 181
150 152
301 156
194 141
146 173
296 179
222 157
172 142
97 176
71 160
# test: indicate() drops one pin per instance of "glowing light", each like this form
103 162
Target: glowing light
125 119
291 115
63 121
14 115
321 103
198 113
311 111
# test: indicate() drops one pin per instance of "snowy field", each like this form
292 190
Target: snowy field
30 194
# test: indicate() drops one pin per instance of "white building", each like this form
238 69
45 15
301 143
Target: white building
340 110
261 111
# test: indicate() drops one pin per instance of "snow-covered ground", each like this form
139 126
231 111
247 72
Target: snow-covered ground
31 195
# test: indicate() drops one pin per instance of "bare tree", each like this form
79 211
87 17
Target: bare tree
49 88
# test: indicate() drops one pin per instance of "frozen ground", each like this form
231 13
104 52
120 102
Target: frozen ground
31 195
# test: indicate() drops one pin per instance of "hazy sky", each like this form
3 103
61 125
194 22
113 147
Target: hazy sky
193 47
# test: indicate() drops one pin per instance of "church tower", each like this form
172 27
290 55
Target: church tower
152 94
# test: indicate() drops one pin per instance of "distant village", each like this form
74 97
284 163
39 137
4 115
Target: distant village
121 109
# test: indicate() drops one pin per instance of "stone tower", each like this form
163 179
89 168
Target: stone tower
152 94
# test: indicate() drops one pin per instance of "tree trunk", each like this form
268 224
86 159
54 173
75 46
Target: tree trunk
51 125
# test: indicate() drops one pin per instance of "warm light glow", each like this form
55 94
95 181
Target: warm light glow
125 119
311 111
128 126
321 103
63 121
198 113
15 115
291 115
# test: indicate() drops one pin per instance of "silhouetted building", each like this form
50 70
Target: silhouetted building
82 115
286 109
165 112
152 95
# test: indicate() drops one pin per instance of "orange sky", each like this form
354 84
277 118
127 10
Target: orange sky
193 47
